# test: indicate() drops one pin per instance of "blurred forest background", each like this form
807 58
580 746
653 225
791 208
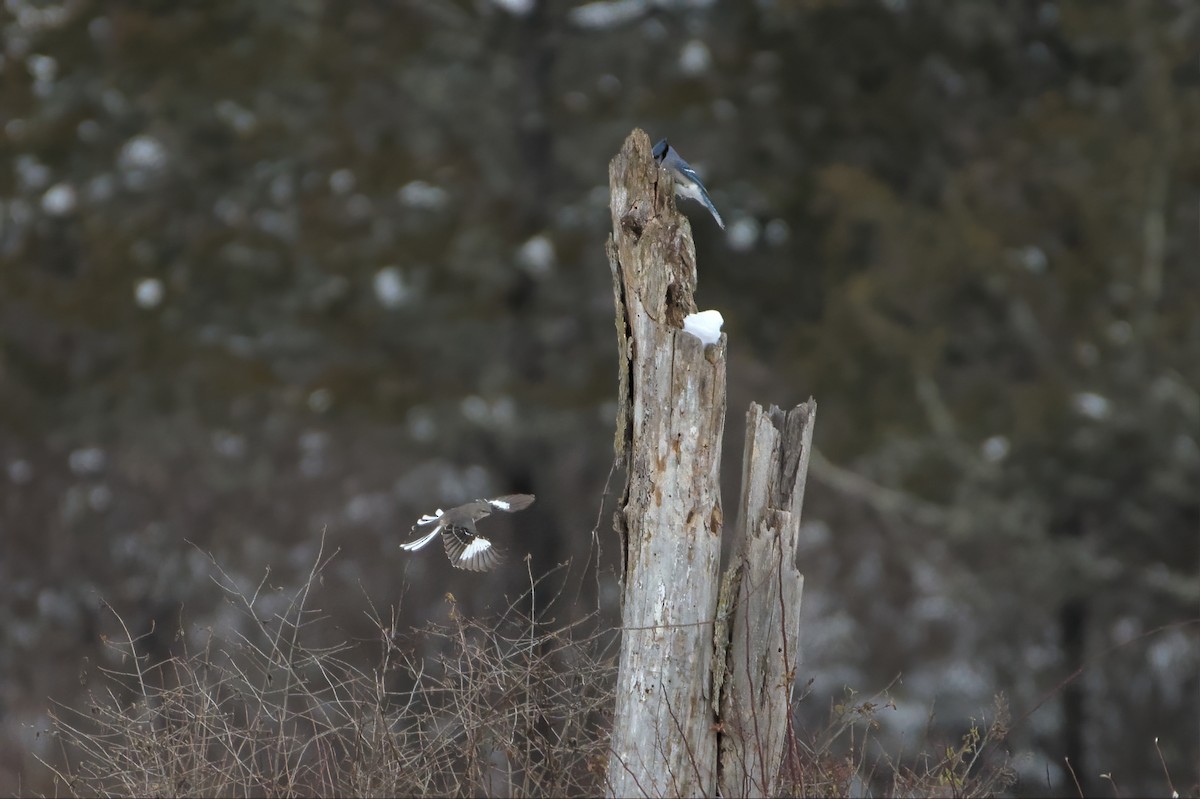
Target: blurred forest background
270 268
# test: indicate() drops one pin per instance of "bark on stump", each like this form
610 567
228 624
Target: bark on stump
703 692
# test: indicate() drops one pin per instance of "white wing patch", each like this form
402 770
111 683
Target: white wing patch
510 502
476 547
469 551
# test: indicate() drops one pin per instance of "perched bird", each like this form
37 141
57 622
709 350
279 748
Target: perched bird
466 548
687 182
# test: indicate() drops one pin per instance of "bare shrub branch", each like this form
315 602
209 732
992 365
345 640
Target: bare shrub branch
509 706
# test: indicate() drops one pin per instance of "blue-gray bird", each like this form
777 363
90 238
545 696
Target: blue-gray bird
687 182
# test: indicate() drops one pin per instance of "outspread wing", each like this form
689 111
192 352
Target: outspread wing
469 551
511 502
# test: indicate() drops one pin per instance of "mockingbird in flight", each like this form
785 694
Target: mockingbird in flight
466 548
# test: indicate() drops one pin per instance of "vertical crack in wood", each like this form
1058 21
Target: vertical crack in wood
624 431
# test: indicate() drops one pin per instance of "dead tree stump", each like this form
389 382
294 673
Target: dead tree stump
696 684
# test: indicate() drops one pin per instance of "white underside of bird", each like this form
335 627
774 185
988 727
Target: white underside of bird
693 191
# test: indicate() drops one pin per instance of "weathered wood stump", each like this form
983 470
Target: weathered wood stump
704 690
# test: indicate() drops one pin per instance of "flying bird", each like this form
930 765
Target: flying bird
687 182
466 548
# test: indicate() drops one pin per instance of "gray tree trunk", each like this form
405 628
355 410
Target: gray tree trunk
762 589
689 696
672 412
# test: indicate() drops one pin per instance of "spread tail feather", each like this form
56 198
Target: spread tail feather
413 546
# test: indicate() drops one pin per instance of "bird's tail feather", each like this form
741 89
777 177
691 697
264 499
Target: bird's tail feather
413 546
